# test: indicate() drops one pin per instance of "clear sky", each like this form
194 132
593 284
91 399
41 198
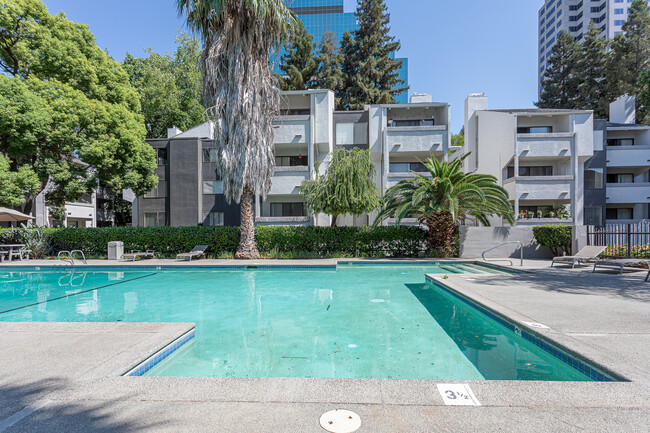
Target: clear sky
455 47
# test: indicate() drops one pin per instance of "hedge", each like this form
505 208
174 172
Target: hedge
555 237
393 241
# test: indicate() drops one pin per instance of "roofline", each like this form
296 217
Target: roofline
304 92
631 127
533 112
412 105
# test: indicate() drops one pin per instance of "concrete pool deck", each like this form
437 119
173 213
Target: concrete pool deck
74 370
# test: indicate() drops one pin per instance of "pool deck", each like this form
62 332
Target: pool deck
64 377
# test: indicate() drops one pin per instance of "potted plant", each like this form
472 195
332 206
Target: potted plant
539 214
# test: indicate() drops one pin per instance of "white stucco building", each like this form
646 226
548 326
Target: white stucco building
538 156
399 136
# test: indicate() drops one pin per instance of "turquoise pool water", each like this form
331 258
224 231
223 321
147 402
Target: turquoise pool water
356 321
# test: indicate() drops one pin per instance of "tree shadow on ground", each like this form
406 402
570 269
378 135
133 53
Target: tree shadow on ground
101 416
580 281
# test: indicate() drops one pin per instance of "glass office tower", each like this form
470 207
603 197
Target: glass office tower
320 16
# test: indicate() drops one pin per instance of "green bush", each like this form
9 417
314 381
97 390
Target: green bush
555 237
393 241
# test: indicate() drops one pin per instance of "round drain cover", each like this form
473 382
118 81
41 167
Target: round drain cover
340 421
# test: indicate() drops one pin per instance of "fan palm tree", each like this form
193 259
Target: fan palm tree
241 94
450 196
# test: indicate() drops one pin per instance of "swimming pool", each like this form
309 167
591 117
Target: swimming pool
347 321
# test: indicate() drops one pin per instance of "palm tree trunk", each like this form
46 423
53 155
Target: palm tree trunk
247 248
442 233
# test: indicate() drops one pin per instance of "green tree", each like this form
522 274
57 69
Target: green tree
241 94
449 196
69 114
328 75
376 73
630 56
169 86
458 139
347 187
560 81
349 69
591 71
298 63
644 97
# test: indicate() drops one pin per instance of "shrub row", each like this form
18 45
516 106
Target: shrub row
394 241
557 237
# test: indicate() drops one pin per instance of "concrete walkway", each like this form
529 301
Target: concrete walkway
66 377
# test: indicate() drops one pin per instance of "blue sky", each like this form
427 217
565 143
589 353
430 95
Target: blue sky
454 47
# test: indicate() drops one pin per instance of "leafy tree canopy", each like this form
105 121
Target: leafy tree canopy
347 187
374 78
298 62
70 117
169 86
560 82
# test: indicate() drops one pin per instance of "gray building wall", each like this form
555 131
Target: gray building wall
598 197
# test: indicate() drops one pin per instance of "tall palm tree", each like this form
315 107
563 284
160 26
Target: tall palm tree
450 196
241 94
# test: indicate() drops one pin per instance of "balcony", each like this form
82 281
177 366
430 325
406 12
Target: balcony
628 193
550 145
283 221
291 129
288 182
540 187
394 178
628 156
416 138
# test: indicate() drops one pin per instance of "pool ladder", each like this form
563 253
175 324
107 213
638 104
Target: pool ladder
70 258
521 253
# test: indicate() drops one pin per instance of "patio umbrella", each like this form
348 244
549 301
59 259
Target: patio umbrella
13 215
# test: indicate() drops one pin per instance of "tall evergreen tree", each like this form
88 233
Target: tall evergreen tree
630 56
644 98
298 63
560 82
377 71
590 72
349 69
328 75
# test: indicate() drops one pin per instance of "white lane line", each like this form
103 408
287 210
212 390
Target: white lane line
13 419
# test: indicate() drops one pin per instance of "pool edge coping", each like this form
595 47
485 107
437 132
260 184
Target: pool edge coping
614 376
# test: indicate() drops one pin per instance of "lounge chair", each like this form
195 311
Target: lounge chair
584 255
620 264
134 255
196 252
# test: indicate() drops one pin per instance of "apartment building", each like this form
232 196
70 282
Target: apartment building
306 132
80 213
617 178
574 16
537 155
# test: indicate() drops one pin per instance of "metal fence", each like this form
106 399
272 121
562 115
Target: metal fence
622 240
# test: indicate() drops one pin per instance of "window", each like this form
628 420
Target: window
288 210
620 11
406 167
621 213
619 22
344 134
620 178
594 178
159 191
154 219
213 219
295 112
211 155
212 187
161 156
534 130
620 141
291 161
594 216
531 171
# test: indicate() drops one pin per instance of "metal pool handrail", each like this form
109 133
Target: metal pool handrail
83 256
71 260
521 253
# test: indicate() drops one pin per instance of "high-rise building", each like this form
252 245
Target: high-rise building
574 16
321 16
